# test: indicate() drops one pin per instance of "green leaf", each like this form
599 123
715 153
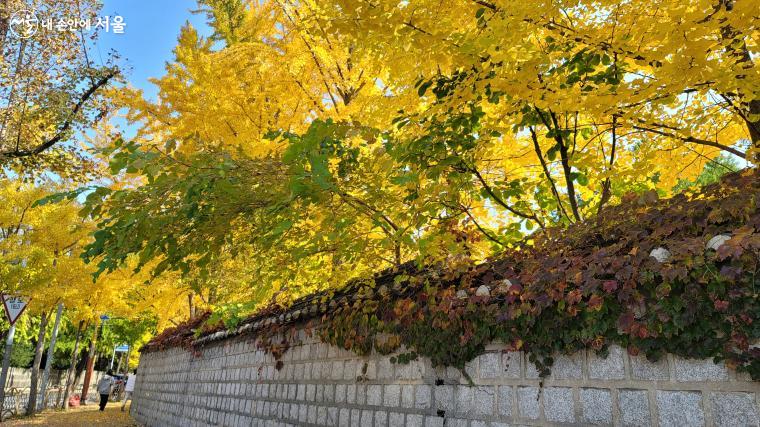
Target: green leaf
424 87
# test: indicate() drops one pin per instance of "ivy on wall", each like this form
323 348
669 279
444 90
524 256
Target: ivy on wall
655 276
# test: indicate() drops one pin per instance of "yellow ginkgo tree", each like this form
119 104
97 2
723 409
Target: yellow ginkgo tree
309 142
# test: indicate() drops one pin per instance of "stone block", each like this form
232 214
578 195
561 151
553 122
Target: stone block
384 368
395 419
452 374
356 417
567 367
434 421
490 365
392 395
329 394
699 370
464 399
374 395
531 371
643 369
340 393
511 364
596 406
301 393
337 370
444 398
413 370
558 404
332 416
471 368
370 372
407 396
381 419
349 370
609 368
320 395
367 417
302 413
484 402
308 370
361 394
422 397
680 408
414 420
527 402
504 401
634 408
734 409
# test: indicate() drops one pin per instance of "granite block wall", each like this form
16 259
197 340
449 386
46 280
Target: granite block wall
232 383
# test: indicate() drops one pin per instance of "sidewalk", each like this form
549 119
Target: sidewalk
82 416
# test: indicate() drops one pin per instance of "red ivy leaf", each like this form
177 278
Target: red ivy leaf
610 285
721 305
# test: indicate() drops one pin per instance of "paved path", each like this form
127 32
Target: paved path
81 416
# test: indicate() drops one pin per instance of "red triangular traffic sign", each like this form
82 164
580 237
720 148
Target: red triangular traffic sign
14 306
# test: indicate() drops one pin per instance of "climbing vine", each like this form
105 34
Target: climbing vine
654 276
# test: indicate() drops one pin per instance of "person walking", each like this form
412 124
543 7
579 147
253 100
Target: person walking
104 388
129 388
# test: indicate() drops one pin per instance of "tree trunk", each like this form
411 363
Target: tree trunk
126 363
88 369
42 399
72 367
191 305
31 404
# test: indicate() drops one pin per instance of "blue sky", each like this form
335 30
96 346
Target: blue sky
151 31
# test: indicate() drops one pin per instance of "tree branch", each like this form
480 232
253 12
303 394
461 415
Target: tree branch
66 125
606 186
480 228
499 200
565 159
537 148
694 140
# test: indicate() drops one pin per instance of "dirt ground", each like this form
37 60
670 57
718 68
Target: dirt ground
82 416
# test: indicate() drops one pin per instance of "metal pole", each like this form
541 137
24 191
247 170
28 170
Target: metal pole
6 365
42 401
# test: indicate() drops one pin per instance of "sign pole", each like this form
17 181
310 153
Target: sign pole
6 365
14 307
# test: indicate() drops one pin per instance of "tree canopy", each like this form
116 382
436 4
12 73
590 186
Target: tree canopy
306 143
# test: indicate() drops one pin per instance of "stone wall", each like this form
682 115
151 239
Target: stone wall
232 383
